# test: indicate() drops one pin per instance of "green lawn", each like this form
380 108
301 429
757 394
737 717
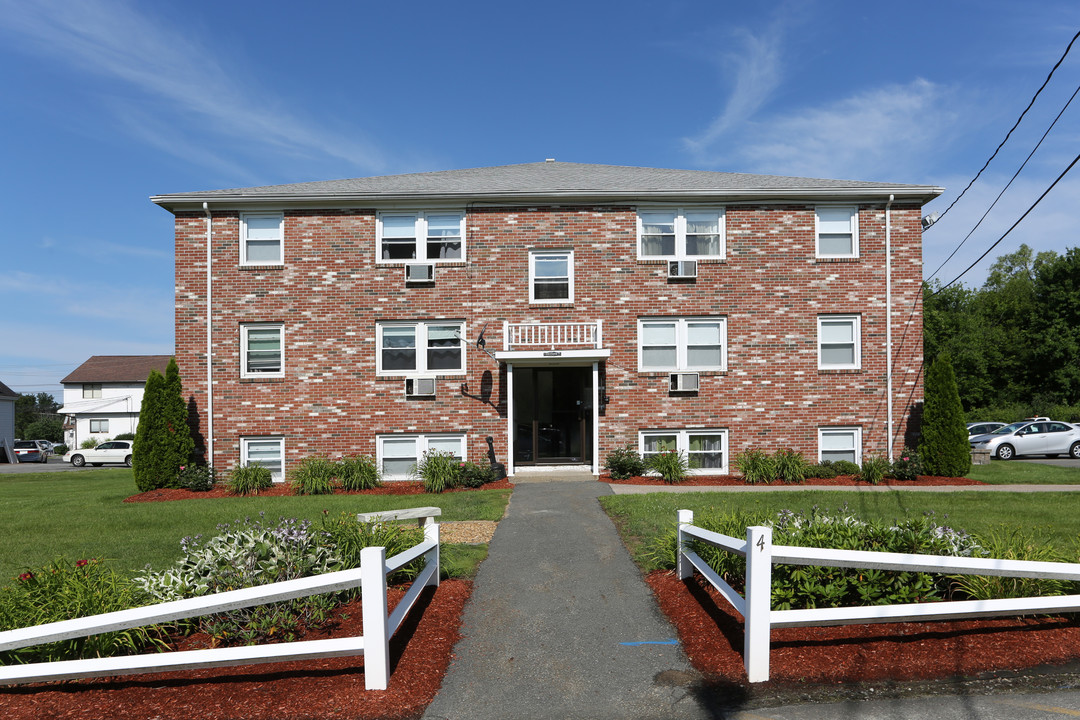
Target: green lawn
81 515
1052 515
1024 473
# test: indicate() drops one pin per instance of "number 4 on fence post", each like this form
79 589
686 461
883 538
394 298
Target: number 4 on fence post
758 603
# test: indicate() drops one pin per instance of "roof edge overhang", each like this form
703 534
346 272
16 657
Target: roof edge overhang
552 357
193 202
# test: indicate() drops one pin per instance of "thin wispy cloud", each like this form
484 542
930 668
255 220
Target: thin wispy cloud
115 39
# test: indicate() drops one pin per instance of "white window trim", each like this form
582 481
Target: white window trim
421 236
680 232
244 441
854 255
682 344
244 237
682 445
421 369
423 443
91 391
856 333
244 328
98 420
533 255
855 431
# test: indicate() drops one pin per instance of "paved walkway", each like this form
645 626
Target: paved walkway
560 624
620 489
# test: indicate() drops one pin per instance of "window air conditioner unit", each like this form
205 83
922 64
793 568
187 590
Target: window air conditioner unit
420 387
682 269
684 382
419 273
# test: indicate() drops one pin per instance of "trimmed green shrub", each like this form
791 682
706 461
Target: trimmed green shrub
359 472
438 470
125 436
874 469
790 466
624 462
846 467
163 441
473 475
249 479
908 467
198 478
826 469
60 450
62 591
671 465
943 446
313 476
756 466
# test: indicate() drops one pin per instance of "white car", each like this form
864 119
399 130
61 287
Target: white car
1049 438
114 451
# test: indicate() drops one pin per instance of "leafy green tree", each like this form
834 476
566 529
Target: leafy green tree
1056 327
943 446
149 464
31 408
50 429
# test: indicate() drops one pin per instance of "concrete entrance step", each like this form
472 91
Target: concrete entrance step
553 473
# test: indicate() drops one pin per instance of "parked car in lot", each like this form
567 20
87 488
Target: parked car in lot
117 452
983 428
30 451
1049 438
46 447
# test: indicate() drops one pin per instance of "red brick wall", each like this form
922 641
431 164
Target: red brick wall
330 293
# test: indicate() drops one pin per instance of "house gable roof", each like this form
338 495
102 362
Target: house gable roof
118 369
6 392
550 181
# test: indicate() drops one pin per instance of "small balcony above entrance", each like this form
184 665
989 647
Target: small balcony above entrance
553 343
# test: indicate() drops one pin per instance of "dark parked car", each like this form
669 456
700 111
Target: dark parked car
982 428
30 451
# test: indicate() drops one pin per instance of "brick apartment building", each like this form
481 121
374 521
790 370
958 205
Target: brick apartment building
547 313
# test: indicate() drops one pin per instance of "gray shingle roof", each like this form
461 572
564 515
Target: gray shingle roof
6 392
118 369
552 180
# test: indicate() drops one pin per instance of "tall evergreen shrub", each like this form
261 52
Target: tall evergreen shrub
163 441
943 447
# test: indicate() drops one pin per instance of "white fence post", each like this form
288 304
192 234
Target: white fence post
758 603
683 567
376 624
431 534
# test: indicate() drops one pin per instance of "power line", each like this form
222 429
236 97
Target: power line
1026 212
1036 95
1017 173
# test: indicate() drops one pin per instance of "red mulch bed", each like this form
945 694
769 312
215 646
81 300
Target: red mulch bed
420 652
843 480
711 633
280 489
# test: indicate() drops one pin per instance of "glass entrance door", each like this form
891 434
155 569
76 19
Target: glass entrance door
552 415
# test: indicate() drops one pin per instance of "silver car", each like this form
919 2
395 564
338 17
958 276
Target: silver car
1045 437
983 428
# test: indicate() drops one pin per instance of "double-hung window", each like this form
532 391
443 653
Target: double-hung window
840 443
398 455
419 348
261 238
839 345
681 234
420 236
837 231
675 344
706 451
551 276
268 452
262 350
91 390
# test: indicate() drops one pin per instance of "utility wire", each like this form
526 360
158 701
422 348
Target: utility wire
1026 212
1018 170
1045 82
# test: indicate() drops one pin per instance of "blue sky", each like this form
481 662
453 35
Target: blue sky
106 103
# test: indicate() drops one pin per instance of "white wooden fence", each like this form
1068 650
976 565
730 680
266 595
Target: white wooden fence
374 644
759 617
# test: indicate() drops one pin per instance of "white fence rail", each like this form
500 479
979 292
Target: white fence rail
759 617
553 336
374 644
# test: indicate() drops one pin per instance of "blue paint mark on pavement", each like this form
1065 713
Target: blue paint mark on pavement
672 641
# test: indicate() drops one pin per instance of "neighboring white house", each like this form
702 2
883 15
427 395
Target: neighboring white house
102 396
7 423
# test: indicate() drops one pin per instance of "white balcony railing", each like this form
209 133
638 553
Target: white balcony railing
553 336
